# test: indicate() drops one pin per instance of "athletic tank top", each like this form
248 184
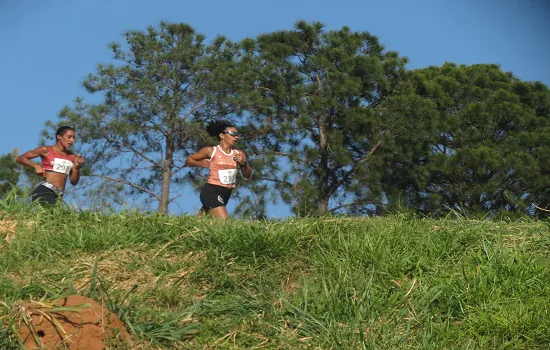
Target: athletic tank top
57 162
223 169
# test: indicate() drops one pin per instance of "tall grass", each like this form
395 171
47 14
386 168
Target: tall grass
396 282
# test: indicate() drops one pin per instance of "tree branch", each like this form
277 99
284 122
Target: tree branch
263 88
353 170
542 209
276 180
192 110
177 169
282 154
349 205
174 198
135 151
376 102
131 184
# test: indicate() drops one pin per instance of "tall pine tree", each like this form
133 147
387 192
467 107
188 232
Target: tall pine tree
321 114
493 141
165 83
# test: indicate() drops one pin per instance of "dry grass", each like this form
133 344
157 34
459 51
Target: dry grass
124 269
8 229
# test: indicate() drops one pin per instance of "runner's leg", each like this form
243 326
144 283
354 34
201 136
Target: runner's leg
220 212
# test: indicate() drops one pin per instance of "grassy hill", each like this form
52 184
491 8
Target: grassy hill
396 282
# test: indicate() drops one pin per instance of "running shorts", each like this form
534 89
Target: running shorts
213 196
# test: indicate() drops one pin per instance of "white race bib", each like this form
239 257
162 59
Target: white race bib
63 166
228 176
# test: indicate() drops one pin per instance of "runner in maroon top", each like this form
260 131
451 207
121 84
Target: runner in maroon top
57 163
224 162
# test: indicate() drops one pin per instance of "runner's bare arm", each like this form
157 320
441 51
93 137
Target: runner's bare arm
246 170
26 157
75 172
200 159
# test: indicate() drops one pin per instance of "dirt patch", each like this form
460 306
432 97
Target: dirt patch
91 327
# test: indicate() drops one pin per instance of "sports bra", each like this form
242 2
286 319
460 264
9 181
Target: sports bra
57 162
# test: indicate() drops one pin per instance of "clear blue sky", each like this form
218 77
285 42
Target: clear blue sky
47 47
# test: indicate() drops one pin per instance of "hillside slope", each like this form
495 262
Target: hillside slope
344 283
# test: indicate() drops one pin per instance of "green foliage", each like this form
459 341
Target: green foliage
319 115
333 123
165 83
490 152
9 174
15 179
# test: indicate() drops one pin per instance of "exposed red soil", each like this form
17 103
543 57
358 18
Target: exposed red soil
90 328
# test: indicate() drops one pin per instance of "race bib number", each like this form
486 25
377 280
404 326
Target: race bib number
228 176
63 166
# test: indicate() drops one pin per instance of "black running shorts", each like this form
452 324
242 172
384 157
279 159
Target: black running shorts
44 195
213 196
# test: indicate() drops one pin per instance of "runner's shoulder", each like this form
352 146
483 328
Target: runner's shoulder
207 150
42 150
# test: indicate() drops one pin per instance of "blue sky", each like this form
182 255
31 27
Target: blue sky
47 47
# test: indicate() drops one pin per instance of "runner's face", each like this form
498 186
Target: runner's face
67 139
230 136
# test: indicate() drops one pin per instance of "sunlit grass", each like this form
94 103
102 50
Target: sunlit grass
396 282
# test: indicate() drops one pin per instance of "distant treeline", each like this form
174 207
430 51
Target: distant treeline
333 123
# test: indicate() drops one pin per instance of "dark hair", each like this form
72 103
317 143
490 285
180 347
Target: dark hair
62 130
216 127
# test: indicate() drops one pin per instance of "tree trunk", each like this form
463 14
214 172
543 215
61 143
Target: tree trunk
167 172
322 206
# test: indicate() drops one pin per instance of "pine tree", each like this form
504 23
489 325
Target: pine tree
492 151
165 83
320 115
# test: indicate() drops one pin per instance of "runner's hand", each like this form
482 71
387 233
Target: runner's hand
78 161
239 158
40 171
